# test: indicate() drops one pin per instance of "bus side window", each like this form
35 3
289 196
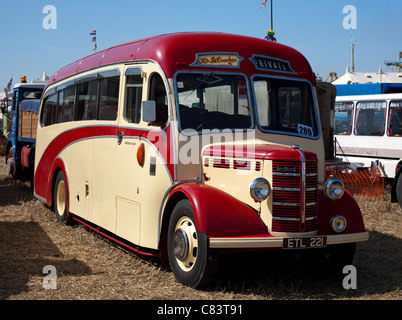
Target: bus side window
395 119
159 95
87 100
67 103
109 98
370 118
49 110
132 112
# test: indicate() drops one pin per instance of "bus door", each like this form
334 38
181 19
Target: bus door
128 170
142 177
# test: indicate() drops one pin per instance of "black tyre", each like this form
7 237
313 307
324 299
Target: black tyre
188 251
60 198
399 190
11 166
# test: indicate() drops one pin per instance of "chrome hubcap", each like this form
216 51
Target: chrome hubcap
61 197
185 243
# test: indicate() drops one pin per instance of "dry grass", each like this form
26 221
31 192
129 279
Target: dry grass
92 268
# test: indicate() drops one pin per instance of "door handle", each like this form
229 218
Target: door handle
120 138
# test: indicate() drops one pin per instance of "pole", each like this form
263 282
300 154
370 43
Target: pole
272 14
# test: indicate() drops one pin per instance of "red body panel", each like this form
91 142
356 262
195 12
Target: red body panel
258 152
43 177
346 206
176 51
218 214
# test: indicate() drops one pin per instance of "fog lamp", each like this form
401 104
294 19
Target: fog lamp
338 223
260 189
334 188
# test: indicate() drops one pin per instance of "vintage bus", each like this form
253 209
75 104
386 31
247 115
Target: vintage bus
368 128
191 145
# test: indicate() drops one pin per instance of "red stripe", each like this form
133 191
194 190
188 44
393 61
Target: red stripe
46 167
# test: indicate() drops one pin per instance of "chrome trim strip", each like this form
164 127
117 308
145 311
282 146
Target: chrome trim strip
286 204
309 204
303 185
276 242
285 219
286 174
286 189
312 174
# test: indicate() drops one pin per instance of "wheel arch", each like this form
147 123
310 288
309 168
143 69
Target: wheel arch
216 213
172 201
58 166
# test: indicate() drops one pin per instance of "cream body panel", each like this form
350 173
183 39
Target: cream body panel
235 182
104 181
78 160
139 193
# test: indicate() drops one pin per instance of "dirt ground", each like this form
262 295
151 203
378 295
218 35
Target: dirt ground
89 267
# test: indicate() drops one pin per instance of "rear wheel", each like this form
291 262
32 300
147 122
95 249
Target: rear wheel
399 190
191 262
60 198
11 167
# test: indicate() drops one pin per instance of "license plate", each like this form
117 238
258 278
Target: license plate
304 243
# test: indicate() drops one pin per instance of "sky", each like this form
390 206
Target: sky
316 28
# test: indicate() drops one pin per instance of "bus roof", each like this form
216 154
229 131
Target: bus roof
370 97
178 51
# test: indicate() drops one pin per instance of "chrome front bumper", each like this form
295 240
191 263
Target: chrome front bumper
277 242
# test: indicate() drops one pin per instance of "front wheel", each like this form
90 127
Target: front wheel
60 198
189 257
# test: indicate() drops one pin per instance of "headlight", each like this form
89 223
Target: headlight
338 224
260 189
334 188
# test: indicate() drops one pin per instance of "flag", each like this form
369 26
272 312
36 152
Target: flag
263 4
93 39
93 33
9 84
95 47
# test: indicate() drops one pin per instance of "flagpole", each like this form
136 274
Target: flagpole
272 14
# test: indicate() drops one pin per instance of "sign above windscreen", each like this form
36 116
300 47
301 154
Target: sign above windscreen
217 60
271 64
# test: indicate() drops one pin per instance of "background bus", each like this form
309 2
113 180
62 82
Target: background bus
368 128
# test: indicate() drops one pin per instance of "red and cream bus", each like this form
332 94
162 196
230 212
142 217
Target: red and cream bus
185 146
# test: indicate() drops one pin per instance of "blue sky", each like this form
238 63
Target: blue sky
314 27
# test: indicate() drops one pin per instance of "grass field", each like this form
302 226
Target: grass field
90 267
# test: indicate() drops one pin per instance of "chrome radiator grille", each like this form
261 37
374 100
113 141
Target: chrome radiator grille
295 196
